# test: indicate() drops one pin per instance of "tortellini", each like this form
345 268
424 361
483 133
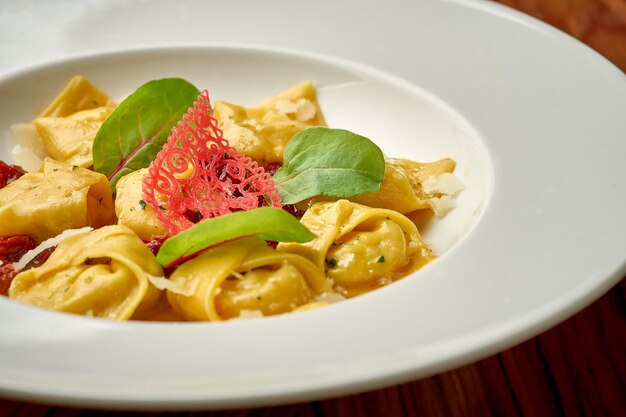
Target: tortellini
132 210
262 132
359 247
102 273
244 276
401 189
362 243
59 197
77 95
70 139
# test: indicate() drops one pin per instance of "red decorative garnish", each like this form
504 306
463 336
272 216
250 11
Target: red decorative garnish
198 175
9 173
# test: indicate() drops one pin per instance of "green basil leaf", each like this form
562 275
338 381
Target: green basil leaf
329 162
266 223
135 132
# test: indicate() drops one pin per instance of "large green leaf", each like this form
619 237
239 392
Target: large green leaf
329 162
266 223
135 132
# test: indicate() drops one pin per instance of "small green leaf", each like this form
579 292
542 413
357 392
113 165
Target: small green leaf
381 260
266 223
135 132
329 162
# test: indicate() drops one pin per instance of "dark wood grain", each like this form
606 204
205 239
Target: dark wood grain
601 24
577 368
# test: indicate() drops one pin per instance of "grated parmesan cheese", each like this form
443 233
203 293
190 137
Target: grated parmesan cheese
345 261
329 297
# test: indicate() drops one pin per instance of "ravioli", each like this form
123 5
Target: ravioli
77 95
243 276
360 247
401 189
102 273
262 132
361 243
59 197
70 139
132 210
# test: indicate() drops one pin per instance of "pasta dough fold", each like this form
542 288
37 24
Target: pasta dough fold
102 273
262 132
132 211
59 197
401 189
360 247
77 95
242 276
70 139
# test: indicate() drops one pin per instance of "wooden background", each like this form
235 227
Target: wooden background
577 368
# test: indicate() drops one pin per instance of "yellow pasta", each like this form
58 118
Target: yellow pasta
59 197
359 247
361 243
70 139
244 275
77 95
401 189
262 132
132 211
103 273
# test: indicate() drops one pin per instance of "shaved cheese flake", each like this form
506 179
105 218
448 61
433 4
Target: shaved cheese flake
249 314
442 189
442 205
29 151
285 106
306 110
47 244
445 183
163 283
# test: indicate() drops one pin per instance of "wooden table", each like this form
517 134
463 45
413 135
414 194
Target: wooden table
577 368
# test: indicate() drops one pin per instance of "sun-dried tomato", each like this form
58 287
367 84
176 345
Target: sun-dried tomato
198 175
12 248
155 244
41 258
7 273
9 173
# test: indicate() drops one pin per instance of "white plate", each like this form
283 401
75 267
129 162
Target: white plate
534 118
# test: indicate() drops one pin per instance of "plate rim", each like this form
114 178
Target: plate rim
556 312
